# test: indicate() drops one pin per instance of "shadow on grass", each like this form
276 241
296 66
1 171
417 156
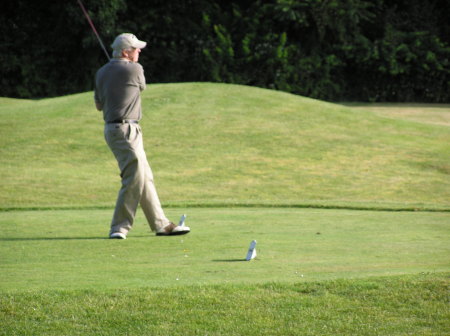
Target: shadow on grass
77 238
52 238
228 260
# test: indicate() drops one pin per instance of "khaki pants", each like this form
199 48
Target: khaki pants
125 141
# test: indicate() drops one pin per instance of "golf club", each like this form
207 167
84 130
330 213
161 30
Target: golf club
93 28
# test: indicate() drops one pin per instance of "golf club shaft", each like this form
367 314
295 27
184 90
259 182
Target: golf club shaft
93 28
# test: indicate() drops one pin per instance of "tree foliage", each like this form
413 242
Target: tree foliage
363 50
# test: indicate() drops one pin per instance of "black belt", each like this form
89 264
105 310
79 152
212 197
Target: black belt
125 121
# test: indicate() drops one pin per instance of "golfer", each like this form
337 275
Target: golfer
118 85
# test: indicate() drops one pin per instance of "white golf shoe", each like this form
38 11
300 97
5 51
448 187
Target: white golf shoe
173 230
117 235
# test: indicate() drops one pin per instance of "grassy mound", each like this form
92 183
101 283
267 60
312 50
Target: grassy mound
218 144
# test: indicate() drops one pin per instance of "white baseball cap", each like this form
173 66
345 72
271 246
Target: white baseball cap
127 41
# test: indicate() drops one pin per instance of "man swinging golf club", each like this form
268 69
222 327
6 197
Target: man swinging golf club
117 93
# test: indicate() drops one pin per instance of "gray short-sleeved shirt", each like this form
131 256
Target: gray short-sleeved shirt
117 90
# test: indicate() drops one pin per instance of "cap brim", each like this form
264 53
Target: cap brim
140 44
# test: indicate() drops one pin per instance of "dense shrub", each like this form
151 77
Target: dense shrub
375 50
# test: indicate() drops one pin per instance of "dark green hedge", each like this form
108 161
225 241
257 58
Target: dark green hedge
376 50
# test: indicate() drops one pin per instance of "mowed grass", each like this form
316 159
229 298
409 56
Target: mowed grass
433 114
318 272
244 163
218 144
69 249
403 305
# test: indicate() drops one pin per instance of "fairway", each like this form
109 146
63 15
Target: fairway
349 205
68 249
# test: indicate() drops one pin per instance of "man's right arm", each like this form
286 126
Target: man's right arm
140 77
